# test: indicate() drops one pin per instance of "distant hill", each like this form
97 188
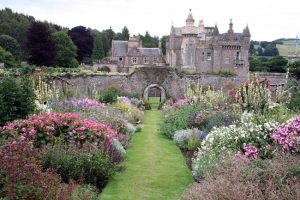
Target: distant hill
286 46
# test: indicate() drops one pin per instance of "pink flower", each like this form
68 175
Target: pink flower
250 151
32 132
23 138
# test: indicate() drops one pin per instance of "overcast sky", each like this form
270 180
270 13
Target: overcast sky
267 19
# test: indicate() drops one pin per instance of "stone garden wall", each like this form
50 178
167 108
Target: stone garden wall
165 77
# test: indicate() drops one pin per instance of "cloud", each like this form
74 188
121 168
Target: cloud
267 20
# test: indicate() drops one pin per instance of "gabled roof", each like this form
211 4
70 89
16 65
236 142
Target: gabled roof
119 48
150 51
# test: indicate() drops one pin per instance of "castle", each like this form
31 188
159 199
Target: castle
204 50
198 49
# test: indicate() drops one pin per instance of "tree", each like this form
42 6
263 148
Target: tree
278 64
65 50
125 34
149 41
40 45
83 39
98 52
15 25
7 58
110 35
105 43
163 42
10 44
294 68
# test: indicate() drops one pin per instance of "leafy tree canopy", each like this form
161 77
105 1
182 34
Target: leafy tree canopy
40 44
83 39
10 44
65 50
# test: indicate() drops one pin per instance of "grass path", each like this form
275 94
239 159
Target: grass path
155 167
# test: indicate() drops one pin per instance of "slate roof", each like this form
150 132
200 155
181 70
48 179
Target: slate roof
150 51
119 48
177 31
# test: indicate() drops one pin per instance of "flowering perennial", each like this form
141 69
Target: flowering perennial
288 135
55 127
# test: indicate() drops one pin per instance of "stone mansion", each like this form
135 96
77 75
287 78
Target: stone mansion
203 49
194 48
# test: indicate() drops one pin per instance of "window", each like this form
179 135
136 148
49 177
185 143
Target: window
238 56
146 60
120 59
134 60
208 56
154 59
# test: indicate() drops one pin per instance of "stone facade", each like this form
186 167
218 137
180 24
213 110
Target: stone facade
127 54
203 49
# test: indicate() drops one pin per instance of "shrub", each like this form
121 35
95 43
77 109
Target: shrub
7 58
207 120
110 95
205 164
88 164
58 128
21 176
239 178
187 139
134 114
16 100
178 119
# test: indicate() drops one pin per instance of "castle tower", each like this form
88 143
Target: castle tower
246 32
190 19
215 31
230 27
134 42
201 26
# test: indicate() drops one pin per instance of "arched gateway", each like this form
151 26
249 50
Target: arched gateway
155 90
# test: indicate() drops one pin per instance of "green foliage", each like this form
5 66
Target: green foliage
109 95
15 25
263 64
16 100
294 102
7 58
98 52
179 119
89 164
65 50
149 41
164 41
10 44
294 68
206 164
263 48
82 38
40 44
124 35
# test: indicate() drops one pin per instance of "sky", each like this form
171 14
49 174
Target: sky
267 19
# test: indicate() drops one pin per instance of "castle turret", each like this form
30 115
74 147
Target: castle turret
190 19
201 26
246 32
230 27
172 32
215 31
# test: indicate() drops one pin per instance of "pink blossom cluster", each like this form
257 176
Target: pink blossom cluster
288 135
52 127
181 102
199 118
250 151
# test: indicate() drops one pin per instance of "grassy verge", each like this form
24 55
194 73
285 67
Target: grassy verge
155 168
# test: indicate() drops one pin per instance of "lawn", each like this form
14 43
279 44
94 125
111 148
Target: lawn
154 102
155 167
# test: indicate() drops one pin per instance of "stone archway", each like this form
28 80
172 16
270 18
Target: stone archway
163 95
